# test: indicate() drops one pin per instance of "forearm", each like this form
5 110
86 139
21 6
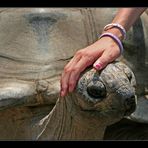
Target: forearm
126 17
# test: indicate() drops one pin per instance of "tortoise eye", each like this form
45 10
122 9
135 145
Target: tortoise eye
96 90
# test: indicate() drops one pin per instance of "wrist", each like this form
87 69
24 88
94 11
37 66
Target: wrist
116 32
115 38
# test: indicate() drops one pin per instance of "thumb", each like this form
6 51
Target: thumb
101 62
106 57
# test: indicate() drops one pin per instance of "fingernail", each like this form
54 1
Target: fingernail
98 66
62 93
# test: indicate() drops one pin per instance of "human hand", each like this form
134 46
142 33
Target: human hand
100 53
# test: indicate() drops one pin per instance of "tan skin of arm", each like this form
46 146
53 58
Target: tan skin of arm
103 51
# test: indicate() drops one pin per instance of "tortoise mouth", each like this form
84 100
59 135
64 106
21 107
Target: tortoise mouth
128 97
130 105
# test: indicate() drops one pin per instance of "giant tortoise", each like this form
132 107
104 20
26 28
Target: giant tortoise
35 45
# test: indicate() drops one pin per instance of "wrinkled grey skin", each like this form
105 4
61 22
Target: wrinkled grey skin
112 91
36 44
98 101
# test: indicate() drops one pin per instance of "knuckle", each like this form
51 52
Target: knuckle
67 69
79 53
88 55
110 57
75 69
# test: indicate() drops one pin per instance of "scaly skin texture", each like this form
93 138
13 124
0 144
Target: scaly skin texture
35 45
82 115
85 114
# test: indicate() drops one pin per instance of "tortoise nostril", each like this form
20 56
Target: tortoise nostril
96 90
130 105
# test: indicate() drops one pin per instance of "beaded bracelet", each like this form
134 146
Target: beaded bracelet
114 38
120 27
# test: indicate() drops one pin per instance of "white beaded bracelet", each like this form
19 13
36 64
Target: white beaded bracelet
120 27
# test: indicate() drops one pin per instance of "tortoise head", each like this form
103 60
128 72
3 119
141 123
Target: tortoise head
109 94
